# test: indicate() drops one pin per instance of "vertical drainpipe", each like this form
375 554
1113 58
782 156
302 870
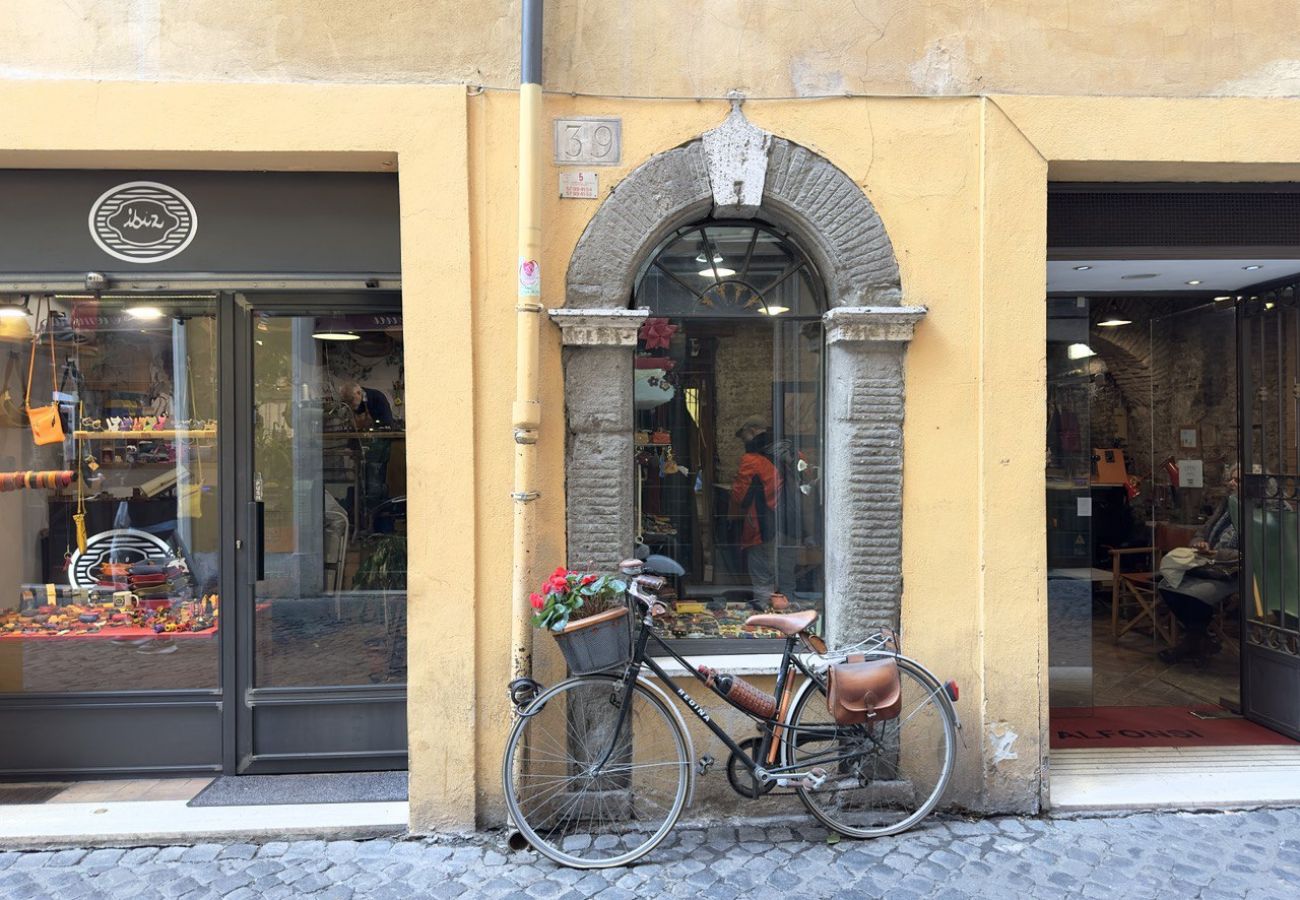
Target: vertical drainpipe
528 314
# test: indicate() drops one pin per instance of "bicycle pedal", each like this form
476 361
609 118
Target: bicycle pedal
704 763
809 781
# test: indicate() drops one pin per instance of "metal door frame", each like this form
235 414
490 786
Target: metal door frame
1270 654
239 560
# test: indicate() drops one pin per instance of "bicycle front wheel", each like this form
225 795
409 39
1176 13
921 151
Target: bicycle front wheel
882 777
587 791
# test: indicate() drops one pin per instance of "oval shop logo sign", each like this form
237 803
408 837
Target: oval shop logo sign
143 222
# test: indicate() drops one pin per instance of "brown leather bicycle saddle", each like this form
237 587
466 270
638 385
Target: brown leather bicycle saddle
787 624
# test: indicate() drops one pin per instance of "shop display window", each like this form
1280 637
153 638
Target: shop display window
728 440
108 574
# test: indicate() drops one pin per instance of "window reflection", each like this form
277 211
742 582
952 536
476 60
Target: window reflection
728 435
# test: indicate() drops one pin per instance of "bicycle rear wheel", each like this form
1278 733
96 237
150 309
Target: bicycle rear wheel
894 771
584 795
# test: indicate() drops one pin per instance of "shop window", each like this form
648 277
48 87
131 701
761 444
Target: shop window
110 564
729 433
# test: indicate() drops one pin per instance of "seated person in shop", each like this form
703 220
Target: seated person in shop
756 496
1193 590
372 410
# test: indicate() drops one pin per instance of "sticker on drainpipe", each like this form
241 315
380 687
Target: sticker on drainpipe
530 278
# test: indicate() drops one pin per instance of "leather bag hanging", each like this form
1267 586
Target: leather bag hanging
46 422
863 690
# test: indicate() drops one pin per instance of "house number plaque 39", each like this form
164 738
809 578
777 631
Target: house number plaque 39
588 141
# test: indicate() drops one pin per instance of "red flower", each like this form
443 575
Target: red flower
657 333
537 600
589 579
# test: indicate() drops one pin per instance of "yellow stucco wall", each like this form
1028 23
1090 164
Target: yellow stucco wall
961 187
678 47
422 132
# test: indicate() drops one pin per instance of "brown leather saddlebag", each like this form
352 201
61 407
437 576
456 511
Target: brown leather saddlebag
863 690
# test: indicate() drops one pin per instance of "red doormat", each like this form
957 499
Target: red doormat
1153 726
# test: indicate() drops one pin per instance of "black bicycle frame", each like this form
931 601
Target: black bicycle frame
770 725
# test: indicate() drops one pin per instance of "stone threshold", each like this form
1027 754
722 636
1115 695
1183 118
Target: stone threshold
1174 778
136 823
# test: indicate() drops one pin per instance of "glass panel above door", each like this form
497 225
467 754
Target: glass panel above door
329 496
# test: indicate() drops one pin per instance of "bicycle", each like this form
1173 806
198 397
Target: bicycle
584 793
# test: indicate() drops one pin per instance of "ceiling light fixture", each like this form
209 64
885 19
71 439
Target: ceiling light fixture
720 271
1269 305
701 258
144 313
774 310
15 310
1082 268
1193 281
1252 268
335 336
1114 323
1079 351
1222 299
1138 275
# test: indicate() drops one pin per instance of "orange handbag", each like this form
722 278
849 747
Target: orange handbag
47 423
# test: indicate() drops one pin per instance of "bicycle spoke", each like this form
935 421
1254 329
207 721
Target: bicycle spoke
591 794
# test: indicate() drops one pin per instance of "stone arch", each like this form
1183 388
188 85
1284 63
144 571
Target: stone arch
739 171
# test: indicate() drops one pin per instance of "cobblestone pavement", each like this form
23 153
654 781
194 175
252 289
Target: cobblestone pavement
1254 855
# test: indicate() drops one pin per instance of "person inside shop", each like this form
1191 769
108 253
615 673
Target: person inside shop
370 406
1196 581
372 410
757 500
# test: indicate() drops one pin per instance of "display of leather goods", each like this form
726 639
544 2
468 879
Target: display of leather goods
862 690
1108 466
47 480
46 421
147 580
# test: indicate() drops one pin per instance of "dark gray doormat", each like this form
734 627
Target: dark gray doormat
16 794
274 790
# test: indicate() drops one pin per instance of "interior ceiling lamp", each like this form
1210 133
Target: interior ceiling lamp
14 307
1079 351
1194 281
774 310
1114 322
1252 268
334 330
704 259
1082 268
144 313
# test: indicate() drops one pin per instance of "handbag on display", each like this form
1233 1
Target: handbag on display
46 421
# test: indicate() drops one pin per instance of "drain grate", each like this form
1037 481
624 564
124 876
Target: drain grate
15 794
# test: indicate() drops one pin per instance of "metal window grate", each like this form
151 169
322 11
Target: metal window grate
1173 219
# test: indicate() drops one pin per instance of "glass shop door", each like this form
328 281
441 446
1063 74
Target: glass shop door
1074 572
1268 522
320 532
